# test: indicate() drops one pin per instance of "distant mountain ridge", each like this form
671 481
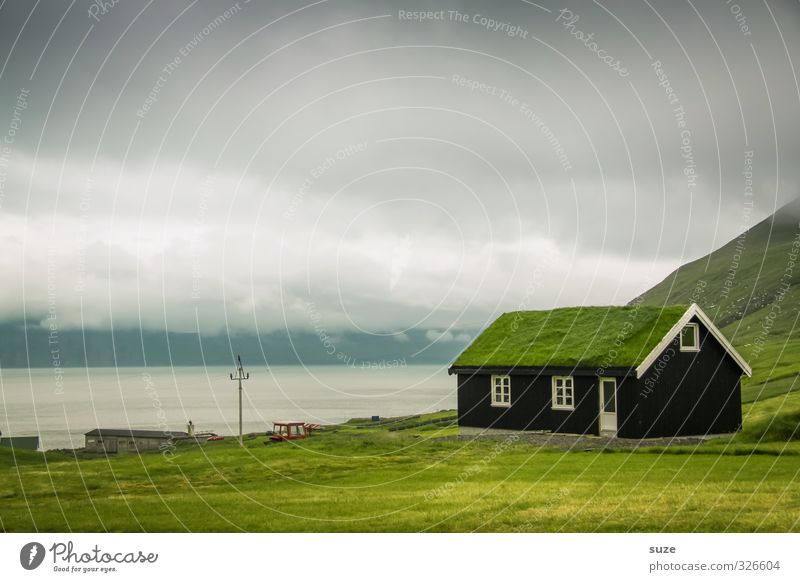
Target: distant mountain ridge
21 347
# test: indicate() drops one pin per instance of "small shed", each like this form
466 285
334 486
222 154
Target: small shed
634 371
29 443
116 440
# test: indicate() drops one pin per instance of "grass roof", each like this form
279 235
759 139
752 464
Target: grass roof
604 337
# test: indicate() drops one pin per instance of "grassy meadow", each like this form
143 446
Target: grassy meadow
402 477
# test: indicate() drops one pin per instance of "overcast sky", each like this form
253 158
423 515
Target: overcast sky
213 164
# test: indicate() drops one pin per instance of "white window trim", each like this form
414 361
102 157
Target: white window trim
563 406
696 347
494 402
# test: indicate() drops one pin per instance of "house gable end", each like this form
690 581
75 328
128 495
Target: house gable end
693 311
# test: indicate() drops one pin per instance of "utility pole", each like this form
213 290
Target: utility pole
240 375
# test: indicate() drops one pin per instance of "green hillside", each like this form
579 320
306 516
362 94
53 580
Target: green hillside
751 289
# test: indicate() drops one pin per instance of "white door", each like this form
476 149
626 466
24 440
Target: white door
608 405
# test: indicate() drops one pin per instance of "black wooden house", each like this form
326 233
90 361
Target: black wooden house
635 372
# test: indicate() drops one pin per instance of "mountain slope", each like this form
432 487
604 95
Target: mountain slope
751 289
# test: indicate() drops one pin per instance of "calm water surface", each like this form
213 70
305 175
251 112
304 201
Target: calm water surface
34 402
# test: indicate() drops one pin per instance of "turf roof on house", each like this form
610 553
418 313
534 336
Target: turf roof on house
572 336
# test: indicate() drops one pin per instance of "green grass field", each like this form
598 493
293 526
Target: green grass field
378 479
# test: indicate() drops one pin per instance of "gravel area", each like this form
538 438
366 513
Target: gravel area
587 442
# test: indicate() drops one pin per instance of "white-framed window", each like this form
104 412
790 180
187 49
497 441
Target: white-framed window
501 391
563 393
690 338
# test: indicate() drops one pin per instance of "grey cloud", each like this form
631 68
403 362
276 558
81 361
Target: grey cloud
391 172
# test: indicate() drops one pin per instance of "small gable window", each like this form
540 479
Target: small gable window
690 338
501 391
563 393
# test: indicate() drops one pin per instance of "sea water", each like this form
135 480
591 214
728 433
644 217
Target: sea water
61 410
